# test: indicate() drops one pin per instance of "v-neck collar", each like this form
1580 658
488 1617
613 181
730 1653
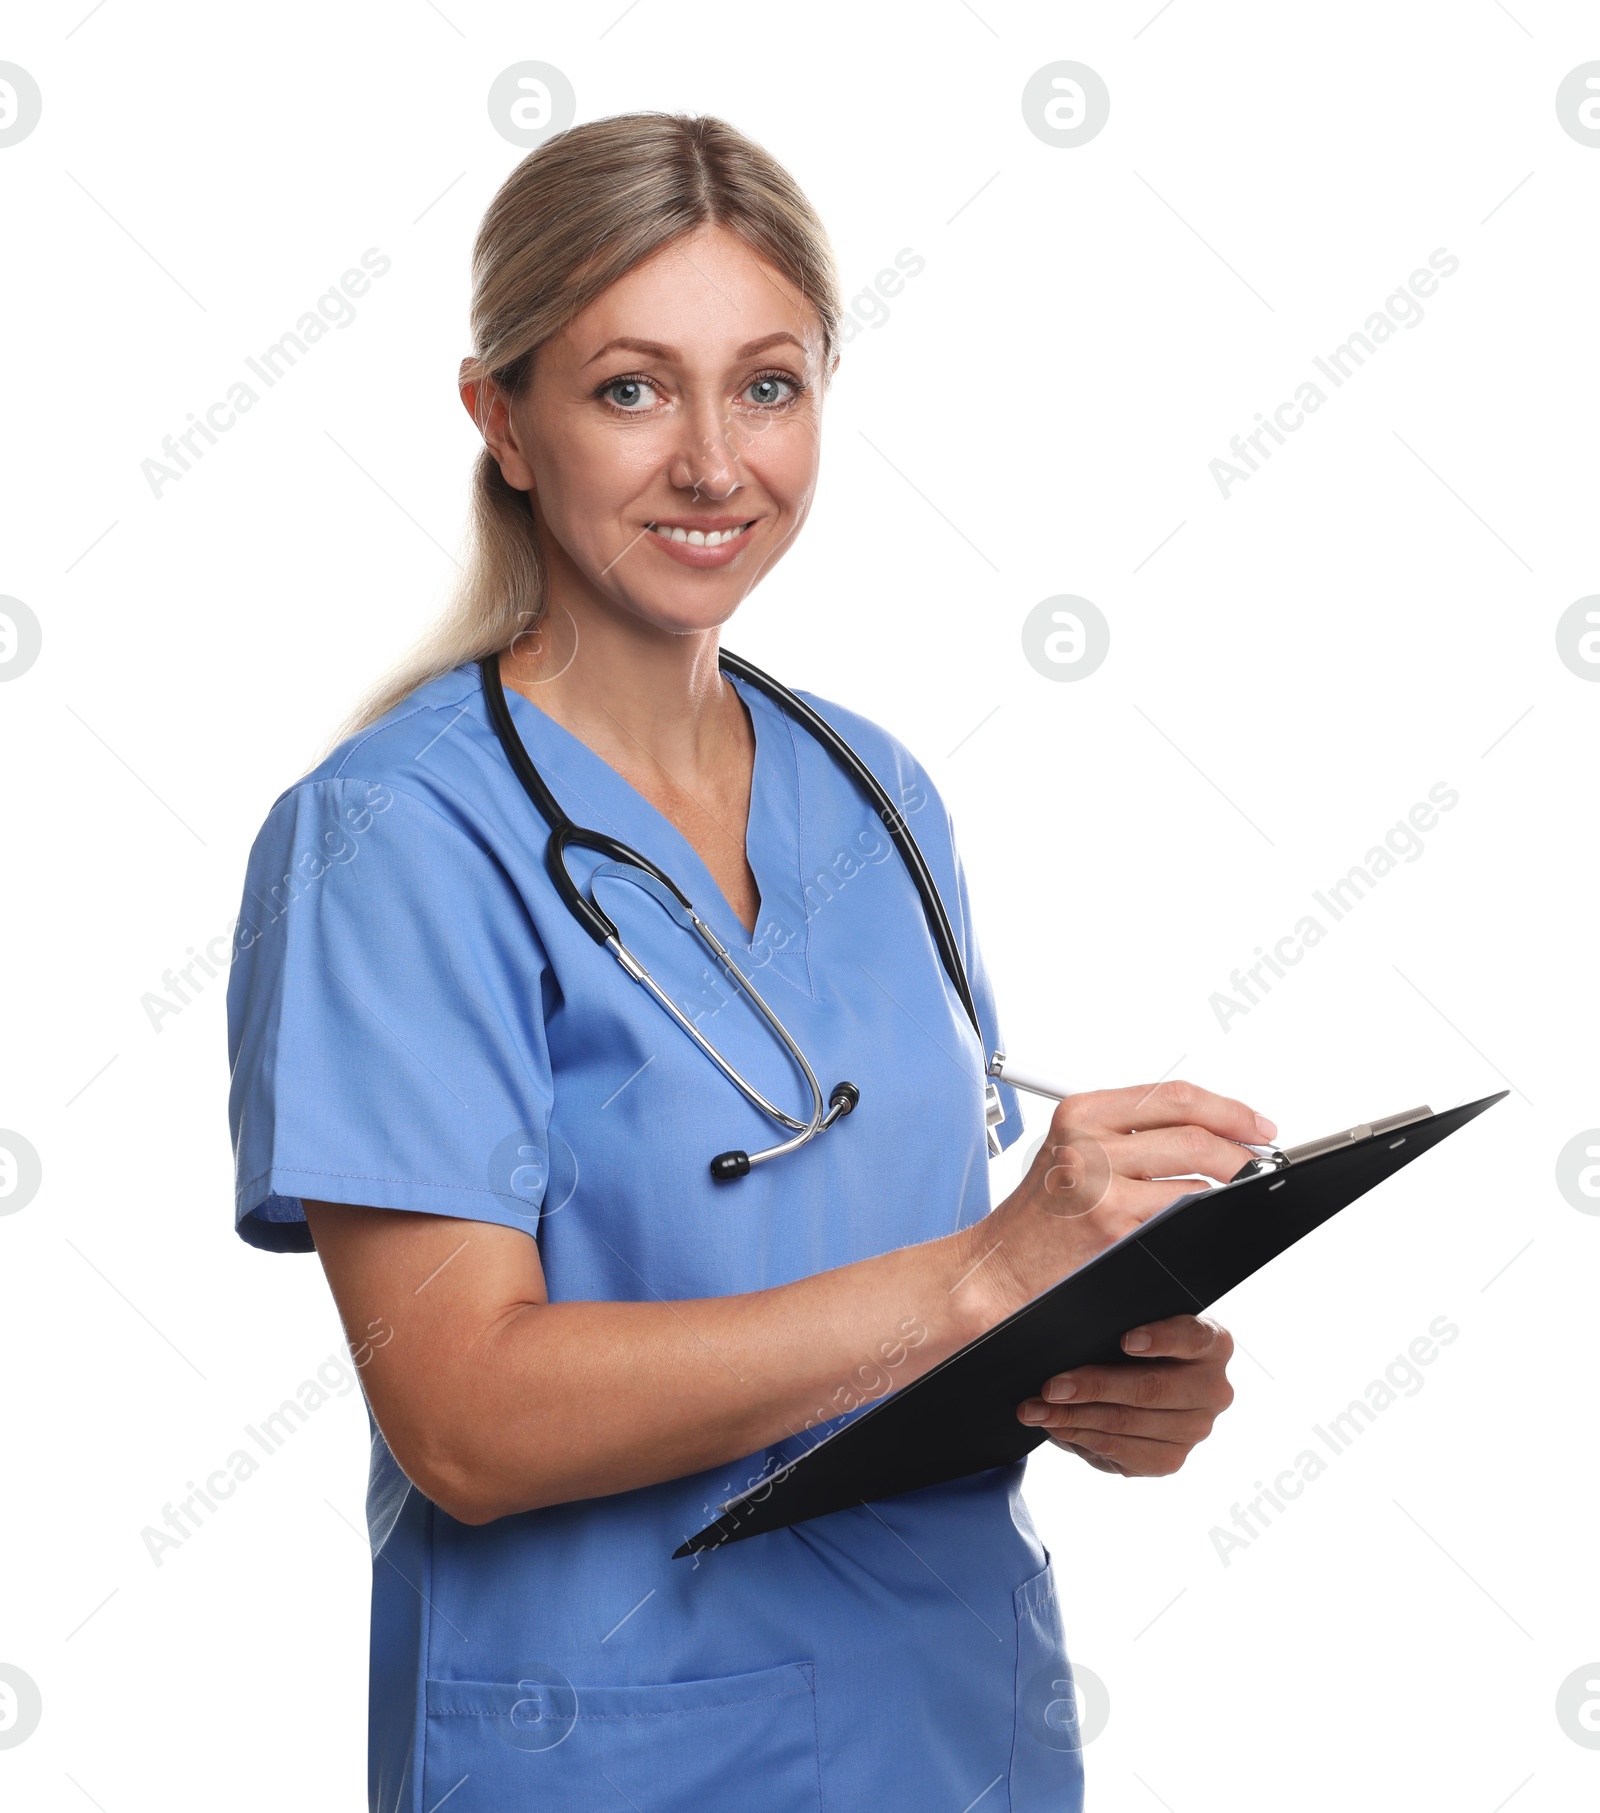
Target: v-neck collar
773 830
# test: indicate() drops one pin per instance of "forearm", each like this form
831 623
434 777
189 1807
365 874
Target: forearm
576 1400
494 1400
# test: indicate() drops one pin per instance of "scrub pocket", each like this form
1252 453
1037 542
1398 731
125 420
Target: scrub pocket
718 1746
1046 1754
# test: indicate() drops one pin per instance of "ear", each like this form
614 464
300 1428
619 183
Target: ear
471 383
485 403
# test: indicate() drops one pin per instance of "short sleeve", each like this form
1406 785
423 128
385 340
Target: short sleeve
385 1020
1009 1130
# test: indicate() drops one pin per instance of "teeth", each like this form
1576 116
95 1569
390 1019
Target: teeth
698 538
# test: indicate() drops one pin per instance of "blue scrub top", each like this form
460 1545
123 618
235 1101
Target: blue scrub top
416 1022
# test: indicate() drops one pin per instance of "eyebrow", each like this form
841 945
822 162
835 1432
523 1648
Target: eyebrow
655 350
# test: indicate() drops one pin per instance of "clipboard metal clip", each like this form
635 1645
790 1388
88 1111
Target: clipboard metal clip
1276 1158
1267 1158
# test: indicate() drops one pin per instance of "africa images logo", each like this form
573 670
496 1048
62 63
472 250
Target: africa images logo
1403 307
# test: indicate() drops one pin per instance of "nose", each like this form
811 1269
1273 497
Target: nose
707 460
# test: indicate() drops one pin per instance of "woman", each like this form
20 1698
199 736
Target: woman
576 1343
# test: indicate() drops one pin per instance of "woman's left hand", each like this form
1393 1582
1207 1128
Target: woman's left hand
1141 1418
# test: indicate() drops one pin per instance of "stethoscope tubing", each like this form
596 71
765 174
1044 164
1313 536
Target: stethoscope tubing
564 832
894 823
714 944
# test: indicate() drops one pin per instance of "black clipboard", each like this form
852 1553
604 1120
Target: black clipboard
960 1416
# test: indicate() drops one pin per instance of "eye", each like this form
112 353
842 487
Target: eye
631 395
772 390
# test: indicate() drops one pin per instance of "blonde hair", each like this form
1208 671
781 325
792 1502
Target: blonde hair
579 212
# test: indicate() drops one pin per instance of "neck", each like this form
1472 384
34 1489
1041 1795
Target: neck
639 696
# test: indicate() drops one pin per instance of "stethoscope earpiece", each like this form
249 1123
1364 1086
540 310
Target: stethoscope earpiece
726 1166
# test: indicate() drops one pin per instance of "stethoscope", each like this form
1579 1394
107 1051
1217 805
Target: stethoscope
843 1097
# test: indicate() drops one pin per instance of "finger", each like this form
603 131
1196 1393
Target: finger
1131 1455
1091 1420
1143 1384
1170 1104
1180 1338
1176 1152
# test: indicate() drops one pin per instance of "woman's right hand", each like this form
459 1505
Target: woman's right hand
1110 1159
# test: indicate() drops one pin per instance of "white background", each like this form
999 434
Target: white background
1370 614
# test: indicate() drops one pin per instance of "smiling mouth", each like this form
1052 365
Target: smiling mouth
699 538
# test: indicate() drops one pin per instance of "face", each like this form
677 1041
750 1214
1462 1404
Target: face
671 435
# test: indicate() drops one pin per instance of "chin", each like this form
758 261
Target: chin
686 609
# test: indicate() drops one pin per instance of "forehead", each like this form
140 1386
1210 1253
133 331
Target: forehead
705 295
